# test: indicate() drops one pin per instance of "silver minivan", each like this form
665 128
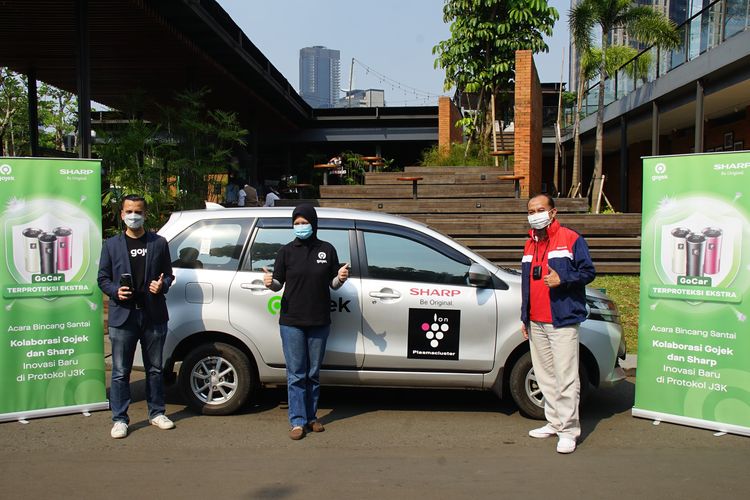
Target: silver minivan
419 310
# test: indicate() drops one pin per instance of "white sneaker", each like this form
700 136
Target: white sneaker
119 430
566 445
162 422
543 432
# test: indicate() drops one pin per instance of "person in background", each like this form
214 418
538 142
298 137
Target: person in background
250 197
307 268
556 267
274 194
135 272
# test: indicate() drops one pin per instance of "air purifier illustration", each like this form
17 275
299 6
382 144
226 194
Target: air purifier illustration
31 249
712 260
679 255
696 248
64 250
48 253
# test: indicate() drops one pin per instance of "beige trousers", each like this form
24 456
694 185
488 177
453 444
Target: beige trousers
554 354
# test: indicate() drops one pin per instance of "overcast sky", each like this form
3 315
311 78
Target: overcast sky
392 37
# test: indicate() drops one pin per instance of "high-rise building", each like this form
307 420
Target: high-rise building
319 76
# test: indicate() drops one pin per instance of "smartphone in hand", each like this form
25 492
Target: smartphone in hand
126 279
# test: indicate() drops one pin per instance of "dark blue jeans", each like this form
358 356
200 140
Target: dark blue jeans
304 349
124 339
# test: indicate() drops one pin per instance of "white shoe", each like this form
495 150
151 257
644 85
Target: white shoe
543 432
566 445
162 422
119 430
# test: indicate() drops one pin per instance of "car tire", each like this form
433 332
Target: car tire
527 394
216 379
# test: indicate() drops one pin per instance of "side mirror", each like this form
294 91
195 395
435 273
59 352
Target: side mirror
479 276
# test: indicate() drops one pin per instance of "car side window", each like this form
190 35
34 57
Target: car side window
268 241
391 257
209 244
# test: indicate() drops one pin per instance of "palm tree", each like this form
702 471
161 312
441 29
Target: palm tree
643 24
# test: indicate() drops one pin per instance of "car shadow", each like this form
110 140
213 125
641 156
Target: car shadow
604 404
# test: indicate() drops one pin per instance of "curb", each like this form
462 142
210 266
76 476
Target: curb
629 364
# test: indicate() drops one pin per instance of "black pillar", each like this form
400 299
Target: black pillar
83 70
33 112
698 116
654 129
624 191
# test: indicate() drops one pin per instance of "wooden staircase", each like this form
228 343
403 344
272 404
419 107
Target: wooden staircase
474 207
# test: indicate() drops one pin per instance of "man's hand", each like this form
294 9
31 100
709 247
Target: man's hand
155 285
524 332
267 277
343 273
552 279
124 293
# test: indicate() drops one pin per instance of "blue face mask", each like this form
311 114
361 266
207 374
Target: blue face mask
303 231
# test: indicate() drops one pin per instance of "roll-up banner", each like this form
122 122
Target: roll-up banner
694 333
51 326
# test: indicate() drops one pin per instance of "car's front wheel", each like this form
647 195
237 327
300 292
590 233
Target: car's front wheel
216 379
526 392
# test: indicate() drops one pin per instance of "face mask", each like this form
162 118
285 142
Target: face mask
134 221
539 220
303 231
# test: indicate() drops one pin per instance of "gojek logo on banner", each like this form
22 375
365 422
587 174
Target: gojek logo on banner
693 351
51 356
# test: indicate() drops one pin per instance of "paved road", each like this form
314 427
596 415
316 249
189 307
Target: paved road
378 444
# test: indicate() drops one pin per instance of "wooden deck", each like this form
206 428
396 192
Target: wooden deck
472 206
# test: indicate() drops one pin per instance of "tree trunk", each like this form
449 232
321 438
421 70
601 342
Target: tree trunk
599 147
577 130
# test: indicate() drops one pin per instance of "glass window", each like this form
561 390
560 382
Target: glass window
391 257
268 241
213 244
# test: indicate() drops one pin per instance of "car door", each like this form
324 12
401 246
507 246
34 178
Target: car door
419 311
255 309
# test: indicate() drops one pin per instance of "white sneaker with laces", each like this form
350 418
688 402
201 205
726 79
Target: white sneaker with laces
162 422
543 432
566 445
119 430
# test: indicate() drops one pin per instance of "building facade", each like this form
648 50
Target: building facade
319 76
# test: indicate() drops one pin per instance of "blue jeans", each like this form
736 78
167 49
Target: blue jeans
304 349
124 339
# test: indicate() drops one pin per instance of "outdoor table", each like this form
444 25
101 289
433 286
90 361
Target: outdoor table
516 182
325 167
504 153
414 181
299 188
371 160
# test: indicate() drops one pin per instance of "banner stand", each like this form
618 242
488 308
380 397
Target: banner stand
693 342
53 412
52 323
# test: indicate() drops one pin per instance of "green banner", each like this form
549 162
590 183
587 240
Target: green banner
693 333
52 347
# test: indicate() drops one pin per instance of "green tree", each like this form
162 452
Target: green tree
13 113
642 24
57 115
479 57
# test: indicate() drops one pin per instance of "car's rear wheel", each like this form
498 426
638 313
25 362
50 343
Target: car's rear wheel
216 379
525 390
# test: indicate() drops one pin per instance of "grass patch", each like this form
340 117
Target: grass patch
624 289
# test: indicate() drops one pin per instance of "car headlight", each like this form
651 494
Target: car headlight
602 309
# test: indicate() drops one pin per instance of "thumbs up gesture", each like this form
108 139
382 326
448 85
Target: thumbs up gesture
155 285
552 279
343 273
267 277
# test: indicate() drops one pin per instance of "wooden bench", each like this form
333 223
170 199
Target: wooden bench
450 206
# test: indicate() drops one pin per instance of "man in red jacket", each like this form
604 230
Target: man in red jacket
556 267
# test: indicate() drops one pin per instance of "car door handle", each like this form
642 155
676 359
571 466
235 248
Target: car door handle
385 295
256 287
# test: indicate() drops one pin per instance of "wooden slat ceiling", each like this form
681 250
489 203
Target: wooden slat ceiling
152 48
